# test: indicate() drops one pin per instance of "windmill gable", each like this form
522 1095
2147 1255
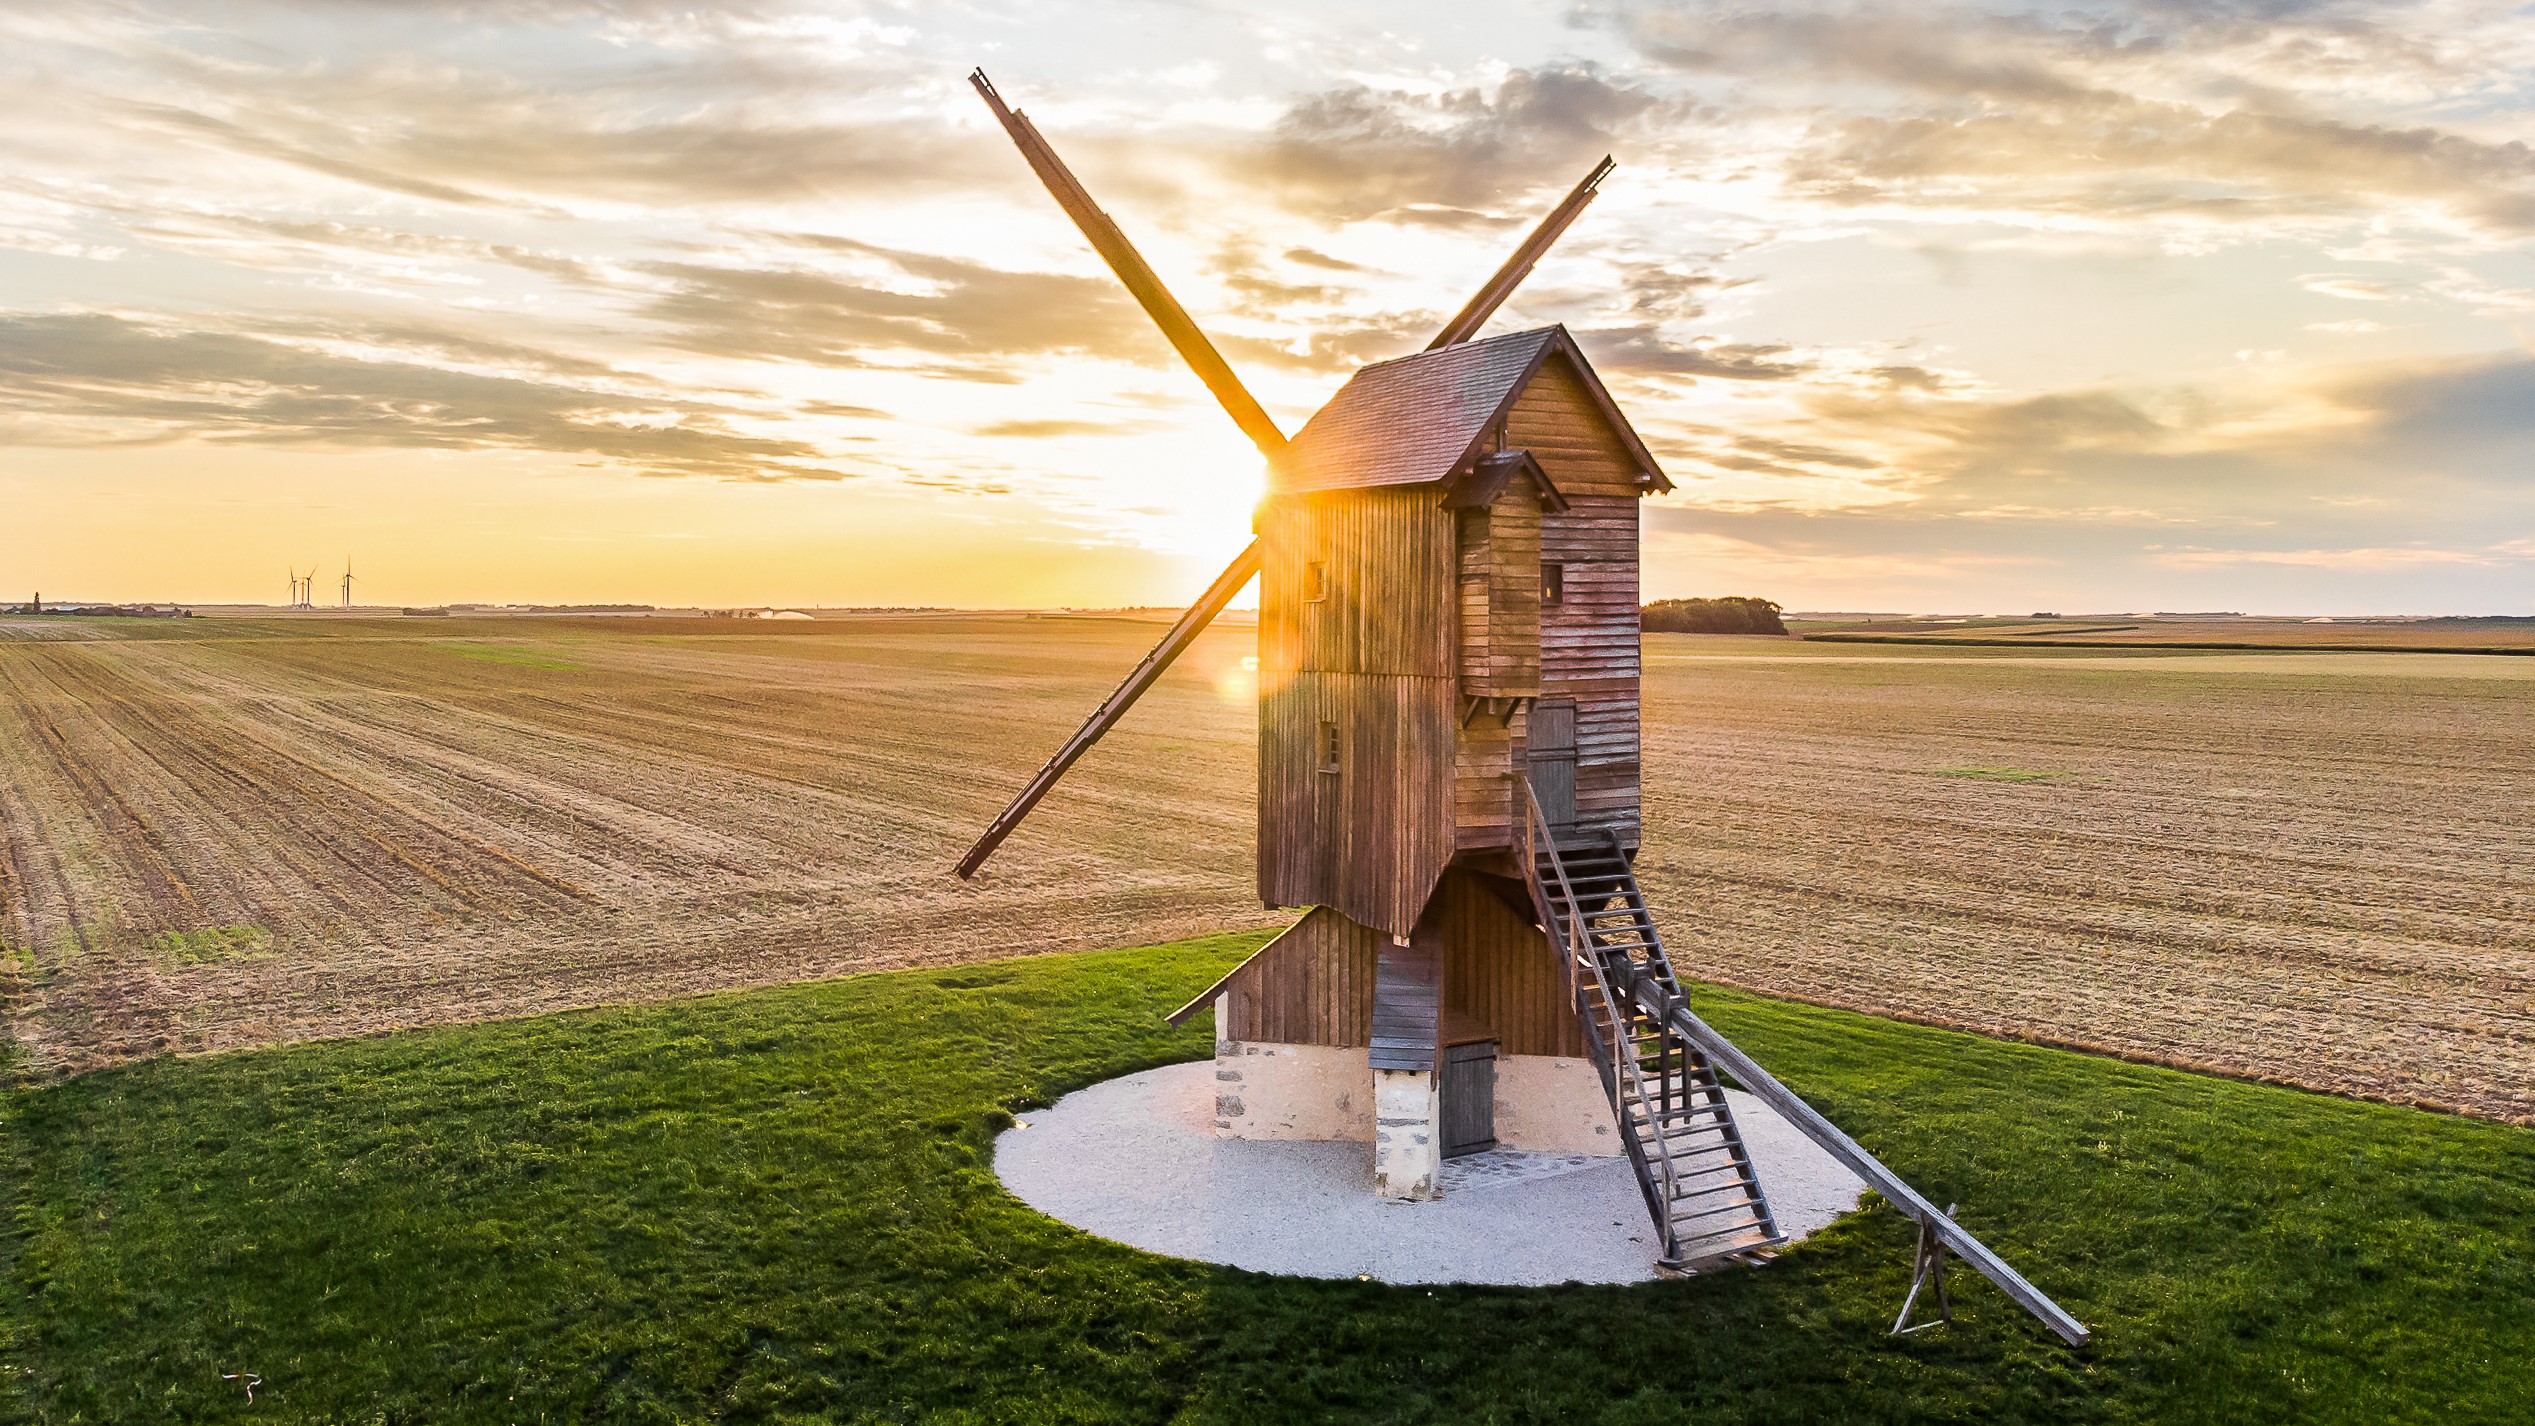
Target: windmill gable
1428 417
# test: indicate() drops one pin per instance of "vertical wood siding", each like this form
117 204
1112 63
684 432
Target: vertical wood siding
1374 658
1425 607
1318 983
1500 971
1388 557
1311 986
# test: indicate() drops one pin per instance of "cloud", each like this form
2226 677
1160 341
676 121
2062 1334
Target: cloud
90 379
2353 289
1451 157
2372 456
2294 114
2477 403
898 302
720 113
1645 351
1307 257
2366 560
1060 426
1341 348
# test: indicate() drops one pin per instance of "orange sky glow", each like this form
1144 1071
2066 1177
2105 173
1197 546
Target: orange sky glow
1933 308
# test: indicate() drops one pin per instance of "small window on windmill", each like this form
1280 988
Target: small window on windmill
1553 583
1328 747
1315 582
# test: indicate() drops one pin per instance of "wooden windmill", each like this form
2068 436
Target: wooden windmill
1448 780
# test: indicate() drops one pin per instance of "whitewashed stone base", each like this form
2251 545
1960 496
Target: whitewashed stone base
1308 1092
1320 1093
1407 1142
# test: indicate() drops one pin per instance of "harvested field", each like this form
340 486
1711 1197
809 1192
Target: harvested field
2306 867
2310 868
2484 636
461 819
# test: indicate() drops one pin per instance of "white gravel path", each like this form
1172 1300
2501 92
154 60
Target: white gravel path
1136 1160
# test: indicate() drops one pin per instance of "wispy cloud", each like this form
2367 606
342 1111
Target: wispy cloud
97 379
2369 560
1942 291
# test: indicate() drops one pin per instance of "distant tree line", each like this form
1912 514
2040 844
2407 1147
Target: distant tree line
1733 614
101 611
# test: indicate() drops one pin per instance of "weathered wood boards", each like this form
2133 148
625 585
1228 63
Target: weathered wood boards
1452 539
1316 984
1356 704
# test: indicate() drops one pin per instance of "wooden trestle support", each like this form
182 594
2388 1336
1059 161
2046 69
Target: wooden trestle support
1660 1064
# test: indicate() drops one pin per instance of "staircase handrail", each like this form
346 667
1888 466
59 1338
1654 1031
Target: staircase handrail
1654 989
1581 951
1676 1014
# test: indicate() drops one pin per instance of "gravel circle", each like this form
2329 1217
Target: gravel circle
1135 1160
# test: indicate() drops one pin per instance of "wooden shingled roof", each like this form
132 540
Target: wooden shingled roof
1423 418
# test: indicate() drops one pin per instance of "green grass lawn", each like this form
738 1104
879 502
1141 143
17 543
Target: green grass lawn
779 1206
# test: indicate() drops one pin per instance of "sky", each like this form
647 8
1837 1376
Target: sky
1928 307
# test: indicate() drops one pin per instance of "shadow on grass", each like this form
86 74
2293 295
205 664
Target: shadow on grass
778 1206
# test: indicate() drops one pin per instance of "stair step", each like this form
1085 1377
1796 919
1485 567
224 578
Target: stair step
1690 1115
1699 1249
1738 1186
1679 1138
1685 1146
1732 1166
1681 1135
1745 1205
1720 1239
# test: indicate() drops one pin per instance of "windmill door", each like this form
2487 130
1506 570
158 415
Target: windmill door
1552 742
1466 1098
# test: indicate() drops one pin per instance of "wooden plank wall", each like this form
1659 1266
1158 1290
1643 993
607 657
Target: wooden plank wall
1499 970
1331 981
1500 658
1389 558
1313 986
1407 1003
1499 553
1375 657
1483 784
1589 640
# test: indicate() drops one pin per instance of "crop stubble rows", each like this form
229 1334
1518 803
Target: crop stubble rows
2316 876
426 835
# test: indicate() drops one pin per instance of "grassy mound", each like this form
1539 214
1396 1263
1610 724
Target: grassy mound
778 1206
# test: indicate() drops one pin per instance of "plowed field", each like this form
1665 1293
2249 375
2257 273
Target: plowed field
2313 868
366 825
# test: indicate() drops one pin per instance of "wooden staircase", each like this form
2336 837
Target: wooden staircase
1692 1167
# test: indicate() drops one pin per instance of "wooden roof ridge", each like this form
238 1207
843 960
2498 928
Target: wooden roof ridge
1423 417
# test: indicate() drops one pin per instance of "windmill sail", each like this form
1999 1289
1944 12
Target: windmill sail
1466 323
1129 265
1115 706
1210 367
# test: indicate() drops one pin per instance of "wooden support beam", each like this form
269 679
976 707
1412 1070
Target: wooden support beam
1124 260
1243 568
1762 1086
1465 324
